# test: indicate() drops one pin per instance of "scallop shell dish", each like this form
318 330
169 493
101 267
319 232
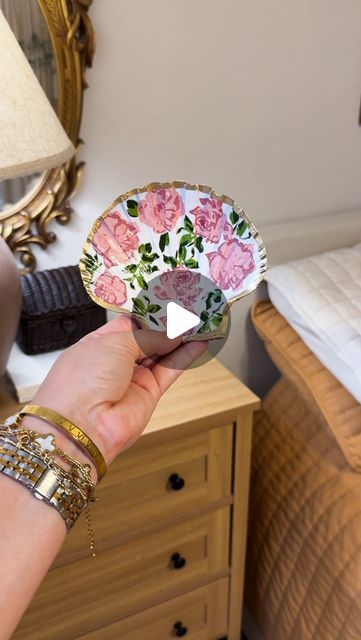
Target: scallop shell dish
173 229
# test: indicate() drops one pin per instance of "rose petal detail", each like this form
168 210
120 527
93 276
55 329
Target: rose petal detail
116 240
209 219
231 264
110 289
179 284
161 209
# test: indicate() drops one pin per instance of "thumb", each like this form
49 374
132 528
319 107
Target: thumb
154 343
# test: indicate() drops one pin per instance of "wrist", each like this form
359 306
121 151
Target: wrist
74 411
62 441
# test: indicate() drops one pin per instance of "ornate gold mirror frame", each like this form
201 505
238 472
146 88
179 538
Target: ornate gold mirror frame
73 41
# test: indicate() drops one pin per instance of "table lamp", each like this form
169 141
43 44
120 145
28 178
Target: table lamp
31 136
31 140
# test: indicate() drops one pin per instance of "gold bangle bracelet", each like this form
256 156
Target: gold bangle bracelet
82 440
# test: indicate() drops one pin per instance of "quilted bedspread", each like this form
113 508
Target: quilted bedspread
320 296
304 553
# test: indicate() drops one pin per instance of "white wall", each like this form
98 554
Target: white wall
258 98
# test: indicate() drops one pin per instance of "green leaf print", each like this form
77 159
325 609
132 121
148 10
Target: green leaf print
142 283
188 226
199 244
209 300
163 241
216 319
191 263
234 217
241 229
182 253
204 328
149 257
132 208
153 308
170 260
139 306
91 264
186 239
217 295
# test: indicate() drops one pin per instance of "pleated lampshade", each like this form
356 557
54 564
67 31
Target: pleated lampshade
31 136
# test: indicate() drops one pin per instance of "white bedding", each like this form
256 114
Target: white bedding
320 297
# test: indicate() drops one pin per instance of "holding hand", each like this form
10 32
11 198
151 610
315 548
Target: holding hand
108 387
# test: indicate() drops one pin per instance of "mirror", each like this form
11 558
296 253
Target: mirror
58 40
28 25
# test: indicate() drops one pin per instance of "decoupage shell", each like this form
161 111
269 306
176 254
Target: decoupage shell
168 226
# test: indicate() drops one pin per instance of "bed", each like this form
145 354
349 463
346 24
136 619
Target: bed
304 553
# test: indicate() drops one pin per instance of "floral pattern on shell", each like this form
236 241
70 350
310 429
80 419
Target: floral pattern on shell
210 221
116 240
179 284
161 209
167 229
111 289
230 265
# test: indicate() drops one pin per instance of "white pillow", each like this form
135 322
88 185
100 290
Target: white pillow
320 297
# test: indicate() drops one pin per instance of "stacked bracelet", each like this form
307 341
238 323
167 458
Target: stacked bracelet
30 458
82 440
42 480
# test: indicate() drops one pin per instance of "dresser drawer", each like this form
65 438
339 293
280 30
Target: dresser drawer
90 593
201 613
137 492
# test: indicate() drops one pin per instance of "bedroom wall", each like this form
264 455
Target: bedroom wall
259 99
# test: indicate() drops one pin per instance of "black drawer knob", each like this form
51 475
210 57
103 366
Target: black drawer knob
176 482
178 561
180 630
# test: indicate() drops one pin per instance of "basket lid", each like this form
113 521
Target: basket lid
53 290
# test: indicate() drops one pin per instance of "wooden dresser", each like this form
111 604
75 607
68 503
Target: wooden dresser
170 528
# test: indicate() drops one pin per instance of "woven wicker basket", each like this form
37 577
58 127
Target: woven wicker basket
56 312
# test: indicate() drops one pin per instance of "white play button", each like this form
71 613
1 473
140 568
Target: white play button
179 320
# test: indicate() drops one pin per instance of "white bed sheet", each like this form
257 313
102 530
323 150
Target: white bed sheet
320 297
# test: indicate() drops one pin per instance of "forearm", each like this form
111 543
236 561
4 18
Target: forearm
31 534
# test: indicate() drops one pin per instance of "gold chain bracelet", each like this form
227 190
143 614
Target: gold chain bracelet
29 457
82 440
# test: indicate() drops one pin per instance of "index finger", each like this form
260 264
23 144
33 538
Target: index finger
121 323
174 364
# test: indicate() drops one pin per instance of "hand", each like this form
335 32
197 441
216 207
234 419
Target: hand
108 387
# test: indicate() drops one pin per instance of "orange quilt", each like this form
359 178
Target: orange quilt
304 553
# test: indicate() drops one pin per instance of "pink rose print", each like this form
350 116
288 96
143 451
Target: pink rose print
179 284
111 289
231 264
210 221
161 209
116 240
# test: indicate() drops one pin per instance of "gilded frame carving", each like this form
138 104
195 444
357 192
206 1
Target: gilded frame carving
73 40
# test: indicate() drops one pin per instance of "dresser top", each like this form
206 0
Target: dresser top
206 396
